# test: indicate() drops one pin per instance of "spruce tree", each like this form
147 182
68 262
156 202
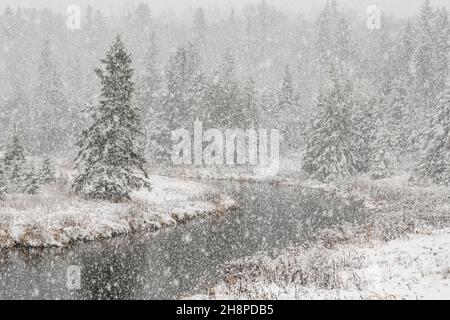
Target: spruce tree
2 183
431 56
380 65
2 191
430 69
334 47
249 106
381 150
286 96
182 71
364 115
435 163
289 120
14 152
150 81
13 161
224 94
423 60
380 162
52 106
442 49
109 162
140 26
331 143
400 122
406 52
31 182
150 100
200 31
47 174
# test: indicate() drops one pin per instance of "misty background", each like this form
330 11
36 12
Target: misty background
311 69
401 8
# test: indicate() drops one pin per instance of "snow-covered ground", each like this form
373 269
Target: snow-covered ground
54 217
402 251
414 267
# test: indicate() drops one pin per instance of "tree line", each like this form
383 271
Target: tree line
357 106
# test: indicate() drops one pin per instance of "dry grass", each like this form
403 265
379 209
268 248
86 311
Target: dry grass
396 210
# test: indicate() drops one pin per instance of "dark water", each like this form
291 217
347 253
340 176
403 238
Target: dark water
178 261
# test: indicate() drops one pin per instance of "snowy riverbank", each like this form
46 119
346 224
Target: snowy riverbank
401 251
56 218
414 267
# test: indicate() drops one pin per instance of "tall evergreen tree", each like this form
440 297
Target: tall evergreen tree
139 27
381 147
406 52
200 31
15 151
249 106
334 47
381 63
324 40
13 161
289 119
52 114
224 94
150 99
442 49
109 162
181 74
150 84
331 143
286 99
47 174
2 183
364 120
400 122
31 181
430 68
345 52
423 60
435 163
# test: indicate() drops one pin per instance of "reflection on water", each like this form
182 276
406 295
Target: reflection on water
177 261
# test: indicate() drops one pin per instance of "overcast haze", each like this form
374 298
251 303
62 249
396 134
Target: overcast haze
398 7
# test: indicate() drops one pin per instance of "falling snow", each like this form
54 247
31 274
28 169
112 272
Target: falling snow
320 168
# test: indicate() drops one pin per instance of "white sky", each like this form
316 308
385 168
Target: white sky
398 7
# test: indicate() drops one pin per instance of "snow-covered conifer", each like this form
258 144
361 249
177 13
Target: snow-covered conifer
109 162
435 163
51 104
182 70
330 152
249 106
150 98
31 181
13 161
2 183
47 174
224 95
